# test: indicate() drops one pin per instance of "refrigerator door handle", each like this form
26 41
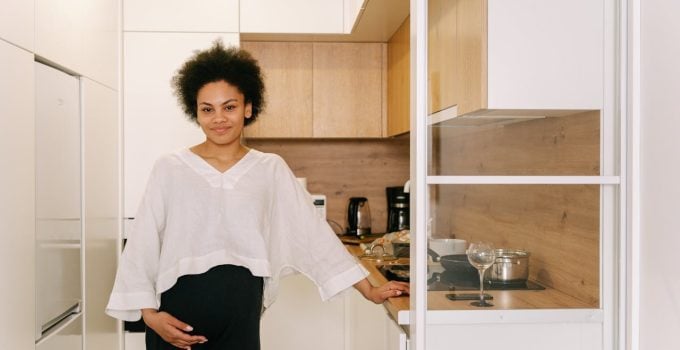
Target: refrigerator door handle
58 323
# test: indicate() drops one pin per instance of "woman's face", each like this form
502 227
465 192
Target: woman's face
221 112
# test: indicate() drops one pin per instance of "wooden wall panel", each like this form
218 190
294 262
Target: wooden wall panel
551 146
558 224
346 168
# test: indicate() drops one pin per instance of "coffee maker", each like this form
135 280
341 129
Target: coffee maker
397 209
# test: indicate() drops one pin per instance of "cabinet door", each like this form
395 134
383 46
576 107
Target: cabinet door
457 55
154 124
58 153
551 57
397 339
181 16
367 323
101 217
292 16
348 89
398 81
17 202
287 69
299 320
17 25
81 35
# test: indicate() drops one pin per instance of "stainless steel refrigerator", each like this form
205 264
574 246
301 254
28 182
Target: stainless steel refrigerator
58 210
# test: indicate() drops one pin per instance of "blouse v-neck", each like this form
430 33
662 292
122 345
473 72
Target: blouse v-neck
216 178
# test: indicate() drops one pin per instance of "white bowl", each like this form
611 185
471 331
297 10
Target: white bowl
448 246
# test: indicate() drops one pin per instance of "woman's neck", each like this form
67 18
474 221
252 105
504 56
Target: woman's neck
228 152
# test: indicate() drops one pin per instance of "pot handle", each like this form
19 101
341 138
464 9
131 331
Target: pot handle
433 254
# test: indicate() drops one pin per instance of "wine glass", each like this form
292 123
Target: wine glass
481 255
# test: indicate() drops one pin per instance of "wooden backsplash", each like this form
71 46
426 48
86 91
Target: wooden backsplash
558 224
346 168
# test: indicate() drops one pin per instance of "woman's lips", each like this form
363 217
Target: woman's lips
221 130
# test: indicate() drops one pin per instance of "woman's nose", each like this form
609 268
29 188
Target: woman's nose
220 116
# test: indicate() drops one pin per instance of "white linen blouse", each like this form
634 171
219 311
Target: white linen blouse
193 217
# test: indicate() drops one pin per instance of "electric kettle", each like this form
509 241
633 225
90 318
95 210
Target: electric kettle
358 217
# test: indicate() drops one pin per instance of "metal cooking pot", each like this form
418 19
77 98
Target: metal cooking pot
510 266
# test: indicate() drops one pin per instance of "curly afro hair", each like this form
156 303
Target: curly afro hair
232 65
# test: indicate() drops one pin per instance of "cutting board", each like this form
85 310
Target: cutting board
347 239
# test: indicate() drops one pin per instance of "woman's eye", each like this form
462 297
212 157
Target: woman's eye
230 107
206 109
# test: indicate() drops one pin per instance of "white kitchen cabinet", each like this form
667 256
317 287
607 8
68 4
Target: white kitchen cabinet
397 339
154 124
299 320
368 323
352 11
17 202
17 25
80 35
545 54
531 55
516 55
181 16
101 217
58 153
538 336
293 16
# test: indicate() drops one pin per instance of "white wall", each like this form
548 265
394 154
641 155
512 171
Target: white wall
660 172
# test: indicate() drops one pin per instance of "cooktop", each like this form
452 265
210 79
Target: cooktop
447 281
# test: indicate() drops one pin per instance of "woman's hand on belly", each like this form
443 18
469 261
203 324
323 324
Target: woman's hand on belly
171 329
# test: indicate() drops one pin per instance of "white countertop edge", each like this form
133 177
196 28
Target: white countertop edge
507 316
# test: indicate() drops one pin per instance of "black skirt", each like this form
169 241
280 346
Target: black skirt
223 304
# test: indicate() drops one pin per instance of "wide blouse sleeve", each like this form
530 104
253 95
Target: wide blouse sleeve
305 242
134 287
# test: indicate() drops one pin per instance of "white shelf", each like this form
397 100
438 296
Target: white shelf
523 180
466 317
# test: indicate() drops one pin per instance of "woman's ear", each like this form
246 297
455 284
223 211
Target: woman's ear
249 110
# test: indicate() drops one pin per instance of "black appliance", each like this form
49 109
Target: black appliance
358 217
397 209
451 281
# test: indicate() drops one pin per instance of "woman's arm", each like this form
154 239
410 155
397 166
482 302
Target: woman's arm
378 295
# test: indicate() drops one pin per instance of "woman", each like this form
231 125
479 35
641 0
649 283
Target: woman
219 224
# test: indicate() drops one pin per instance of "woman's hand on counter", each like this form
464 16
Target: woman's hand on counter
171 329
378 295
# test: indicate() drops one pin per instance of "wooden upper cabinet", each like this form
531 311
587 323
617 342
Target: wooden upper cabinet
495 54
287 69
348 89
398 81
456 56
320 90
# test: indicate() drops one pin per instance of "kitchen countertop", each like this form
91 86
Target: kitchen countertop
562 307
